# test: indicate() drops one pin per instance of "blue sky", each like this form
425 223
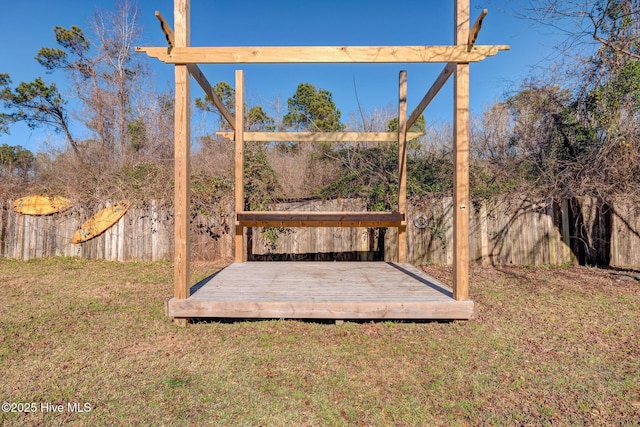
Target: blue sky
28 25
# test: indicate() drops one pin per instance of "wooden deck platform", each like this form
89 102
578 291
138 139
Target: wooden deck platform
321 290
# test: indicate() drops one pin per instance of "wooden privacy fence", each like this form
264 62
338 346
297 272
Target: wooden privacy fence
517 232
143 234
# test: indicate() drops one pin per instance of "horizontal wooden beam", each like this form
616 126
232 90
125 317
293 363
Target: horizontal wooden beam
320 219
319 54
475 29
197 74
321 136
320 309
431 93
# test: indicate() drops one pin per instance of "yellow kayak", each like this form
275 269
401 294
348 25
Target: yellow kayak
100 222
41 205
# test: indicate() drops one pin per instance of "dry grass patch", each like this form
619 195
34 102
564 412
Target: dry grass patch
549 347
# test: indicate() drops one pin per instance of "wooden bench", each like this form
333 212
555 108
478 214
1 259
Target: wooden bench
319 219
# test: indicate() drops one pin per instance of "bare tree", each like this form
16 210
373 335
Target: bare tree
105 74
116 32
577 135
610 23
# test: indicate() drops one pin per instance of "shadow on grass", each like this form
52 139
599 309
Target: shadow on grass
335 322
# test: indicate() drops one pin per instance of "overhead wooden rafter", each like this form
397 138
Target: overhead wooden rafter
319 54
321 136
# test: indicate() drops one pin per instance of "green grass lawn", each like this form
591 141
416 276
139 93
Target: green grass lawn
548 347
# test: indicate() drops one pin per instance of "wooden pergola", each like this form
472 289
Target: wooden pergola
445 303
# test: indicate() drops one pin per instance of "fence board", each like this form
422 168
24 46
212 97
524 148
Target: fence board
625 234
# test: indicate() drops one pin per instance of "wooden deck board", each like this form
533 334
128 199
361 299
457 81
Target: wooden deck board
328 290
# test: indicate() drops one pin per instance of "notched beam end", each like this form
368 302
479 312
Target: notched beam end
486 51
154 52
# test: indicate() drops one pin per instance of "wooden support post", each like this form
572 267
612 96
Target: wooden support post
461 161
182 242
402 166
239 164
